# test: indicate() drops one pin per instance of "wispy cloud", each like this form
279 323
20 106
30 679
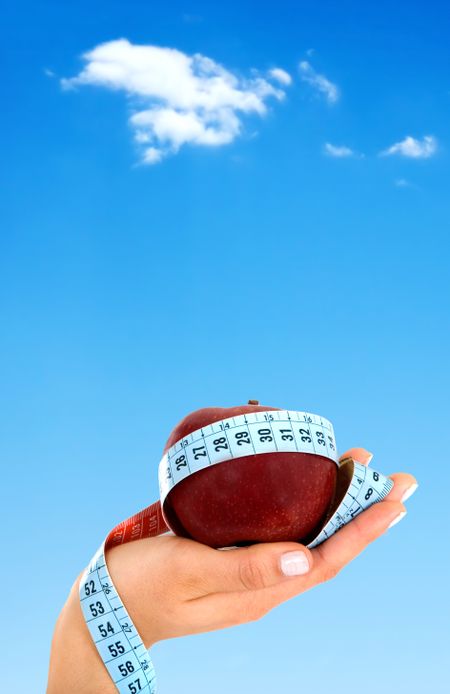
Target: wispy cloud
280 75
339 151
413 148
319 82
176 98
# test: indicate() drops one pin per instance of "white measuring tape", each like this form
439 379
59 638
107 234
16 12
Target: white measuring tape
113 632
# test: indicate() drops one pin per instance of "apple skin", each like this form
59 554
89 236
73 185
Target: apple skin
267 497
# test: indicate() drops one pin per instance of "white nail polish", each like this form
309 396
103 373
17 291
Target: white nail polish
294 563
397 519
409 492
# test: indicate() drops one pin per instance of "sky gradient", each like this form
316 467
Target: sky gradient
269 267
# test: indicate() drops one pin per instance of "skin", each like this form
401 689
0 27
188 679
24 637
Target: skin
173 587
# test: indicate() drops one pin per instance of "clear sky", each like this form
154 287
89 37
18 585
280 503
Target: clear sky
178 233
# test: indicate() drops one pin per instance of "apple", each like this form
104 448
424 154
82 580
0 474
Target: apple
265 497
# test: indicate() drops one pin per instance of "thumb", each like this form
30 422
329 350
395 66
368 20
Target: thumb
259 566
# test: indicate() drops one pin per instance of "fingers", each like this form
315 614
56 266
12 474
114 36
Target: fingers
404 485
352 539
331 556
361 455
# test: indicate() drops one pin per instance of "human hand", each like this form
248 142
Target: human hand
172 586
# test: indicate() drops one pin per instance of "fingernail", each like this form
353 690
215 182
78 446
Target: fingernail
397 519
362 458
409 492
294 563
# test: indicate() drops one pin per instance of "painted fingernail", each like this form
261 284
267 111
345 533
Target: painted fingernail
294 563
409 492
397 519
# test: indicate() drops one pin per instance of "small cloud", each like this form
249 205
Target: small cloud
141 137
177 99
413 148
49 73
152 155
310 52
319 82
339 151
280 76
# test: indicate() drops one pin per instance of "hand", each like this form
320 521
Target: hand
173 586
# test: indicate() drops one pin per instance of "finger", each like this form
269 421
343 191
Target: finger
247 590
331 556
404 486
361 455
255 567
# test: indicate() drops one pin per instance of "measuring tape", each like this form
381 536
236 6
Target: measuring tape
247 434
113 632
358 487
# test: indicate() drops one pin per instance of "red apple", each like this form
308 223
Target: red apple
265 497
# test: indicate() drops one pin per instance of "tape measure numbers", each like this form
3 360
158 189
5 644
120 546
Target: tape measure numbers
248 434
113 632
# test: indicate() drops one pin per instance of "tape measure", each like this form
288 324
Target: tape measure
247 434
113 632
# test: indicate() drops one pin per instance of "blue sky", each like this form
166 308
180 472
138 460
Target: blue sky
266 268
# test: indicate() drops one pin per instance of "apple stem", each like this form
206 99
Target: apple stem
253 402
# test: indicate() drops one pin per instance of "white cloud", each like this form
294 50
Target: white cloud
415 149
176 98
280 75
152 155
319 82
338 151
